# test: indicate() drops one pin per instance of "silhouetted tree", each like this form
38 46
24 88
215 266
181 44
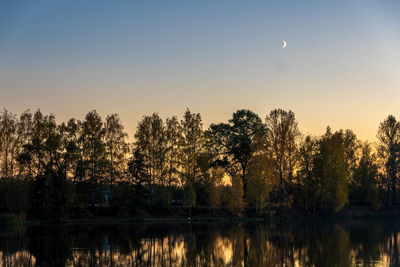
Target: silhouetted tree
150 140
116 148
258 181
330 171
305 174
365 188
192 146
93 150
282 136
389 136
72 149
208 180
259 175
173 138
8 140
232 142
138 175
43 149
24 129
236 203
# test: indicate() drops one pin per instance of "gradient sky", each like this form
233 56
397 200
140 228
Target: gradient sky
341 66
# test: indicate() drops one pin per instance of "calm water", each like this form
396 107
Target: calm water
351 243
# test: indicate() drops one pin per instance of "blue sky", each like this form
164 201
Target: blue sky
341 66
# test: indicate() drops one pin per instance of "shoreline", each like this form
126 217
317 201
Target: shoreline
287 215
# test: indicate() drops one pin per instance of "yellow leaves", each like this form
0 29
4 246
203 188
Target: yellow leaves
236 203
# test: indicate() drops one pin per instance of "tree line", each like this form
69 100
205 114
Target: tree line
247 163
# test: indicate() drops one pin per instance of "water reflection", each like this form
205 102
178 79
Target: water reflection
350 243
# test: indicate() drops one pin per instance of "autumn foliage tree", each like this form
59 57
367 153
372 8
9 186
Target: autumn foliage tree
236 203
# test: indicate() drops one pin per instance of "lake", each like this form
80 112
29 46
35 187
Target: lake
346 243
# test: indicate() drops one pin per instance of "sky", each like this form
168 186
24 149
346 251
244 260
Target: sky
341 65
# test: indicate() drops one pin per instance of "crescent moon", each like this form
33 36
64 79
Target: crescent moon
284 44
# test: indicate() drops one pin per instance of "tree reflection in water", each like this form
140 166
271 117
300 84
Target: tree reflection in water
344 244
